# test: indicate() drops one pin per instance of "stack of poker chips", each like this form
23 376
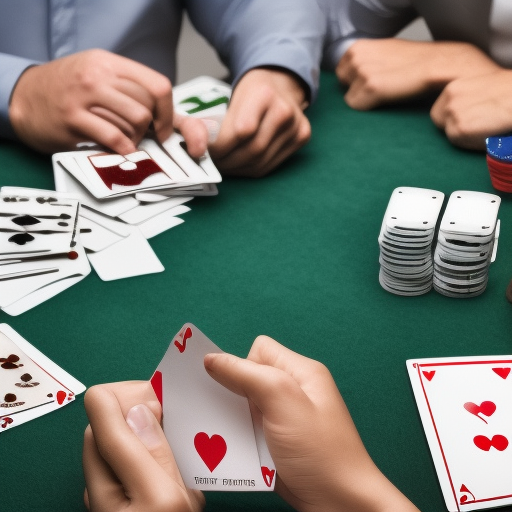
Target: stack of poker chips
466 244
406 238
499 161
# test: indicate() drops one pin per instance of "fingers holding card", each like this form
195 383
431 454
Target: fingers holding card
216 444
466 411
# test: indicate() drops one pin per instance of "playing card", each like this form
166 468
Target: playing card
465 407
66 183
33 223
30 384
51 258
131 256
209 428
204 97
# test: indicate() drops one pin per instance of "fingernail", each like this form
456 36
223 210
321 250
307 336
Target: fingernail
208 361
213 128
141 420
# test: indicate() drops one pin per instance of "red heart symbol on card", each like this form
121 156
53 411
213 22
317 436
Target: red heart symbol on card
485 444
429 375
268 475
61 396
156 382
502 372
210 449
486 408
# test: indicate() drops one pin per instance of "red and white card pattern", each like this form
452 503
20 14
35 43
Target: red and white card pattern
216 444
466 410
30 384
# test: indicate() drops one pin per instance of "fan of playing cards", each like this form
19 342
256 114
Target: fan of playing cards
105 209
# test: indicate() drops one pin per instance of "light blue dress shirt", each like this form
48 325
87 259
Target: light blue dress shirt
245 33
486 24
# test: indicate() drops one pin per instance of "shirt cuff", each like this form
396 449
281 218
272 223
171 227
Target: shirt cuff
12 68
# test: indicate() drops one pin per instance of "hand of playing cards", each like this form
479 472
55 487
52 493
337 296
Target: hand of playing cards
216 443
466 242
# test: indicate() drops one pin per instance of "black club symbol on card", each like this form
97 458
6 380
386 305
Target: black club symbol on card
26 381
10 400
10 362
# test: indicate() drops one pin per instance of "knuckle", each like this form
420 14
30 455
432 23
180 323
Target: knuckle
161 86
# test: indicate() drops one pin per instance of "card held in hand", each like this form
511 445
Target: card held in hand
466 410
216 444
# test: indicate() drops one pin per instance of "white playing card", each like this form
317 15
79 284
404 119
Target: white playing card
145 211
26 284
30 384
36 223
204 171
209 428
132 256
163 221
465 407
65 182
204 97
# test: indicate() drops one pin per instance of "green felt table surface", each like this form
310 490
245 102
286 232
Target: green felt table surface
293 256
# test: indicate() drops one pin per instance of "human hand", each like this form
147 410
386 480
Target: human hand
380 71
321 462
471 109
96 96
264 124
128 464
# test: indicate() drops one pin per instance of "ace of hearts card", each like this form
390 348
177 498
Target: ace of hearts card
215 442
466 409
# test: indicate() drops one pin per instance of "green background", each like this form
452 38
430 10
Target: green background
293 256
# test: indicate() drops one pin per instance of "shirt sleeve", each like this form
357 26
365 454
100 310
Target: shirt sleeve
349 20
12 68
255 33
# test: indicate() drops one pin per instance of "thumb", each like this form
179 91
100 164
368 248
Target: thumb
146 427
274 392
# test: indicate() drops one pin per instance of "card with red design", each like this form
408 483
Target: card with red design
216 444
466 410
30 384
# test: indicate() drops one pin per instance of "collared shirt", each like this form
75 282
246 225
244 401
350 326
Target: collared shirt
486 24
245 33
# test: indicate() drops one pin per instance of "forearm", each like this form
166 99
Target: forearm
442 62
250 34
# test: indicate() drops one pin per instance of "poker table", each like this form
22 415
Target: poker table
294 256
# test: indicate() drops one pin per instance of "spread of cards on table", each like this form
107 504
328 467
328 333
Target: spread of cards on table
104 210
454 260
217 445
465 405
30 384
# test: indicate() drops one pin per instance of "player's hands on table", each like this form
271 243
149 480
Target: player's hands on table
381 71
320 459
471 109
128 464
96 96
264 124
